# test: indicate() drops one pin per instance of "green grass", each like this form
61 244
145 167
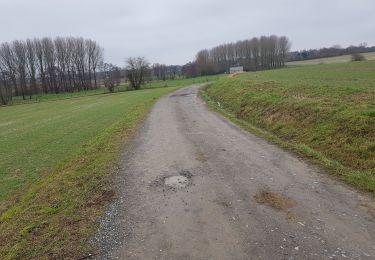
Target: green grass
326 112
55 165
331 60
183 81
51 97
121 88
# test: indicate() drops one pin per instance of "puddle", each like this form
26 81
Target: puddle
177 182
274 200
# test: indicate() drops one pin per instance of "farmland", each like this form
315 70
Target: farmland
325 112
55 161
121 88
331 60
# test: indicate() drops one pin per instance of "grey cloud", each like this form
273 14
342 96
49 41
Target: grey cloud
171 31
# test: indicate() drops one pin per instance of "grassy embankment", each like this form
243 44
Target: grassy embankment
325 112
56 163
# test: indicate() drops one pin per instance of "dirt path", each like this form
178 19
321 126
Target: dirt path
236 197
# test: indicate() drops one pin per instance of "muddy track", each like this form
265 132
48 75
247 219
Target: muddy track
194 186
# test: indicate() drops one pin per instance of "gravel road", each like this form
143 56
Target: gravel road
194 186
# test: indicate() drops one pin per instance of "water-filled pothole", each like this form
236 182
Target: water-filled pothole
177 182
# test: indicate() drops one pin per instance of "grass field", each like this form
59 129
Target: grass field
326 112
121 88
339 59
55 161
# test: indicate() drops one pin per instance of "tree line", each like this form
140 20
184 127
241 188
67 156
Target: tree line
266 52
34 66
69 64
137 71
164 72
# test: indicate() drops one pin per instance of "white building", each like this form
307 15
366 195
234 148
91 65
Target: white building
235 69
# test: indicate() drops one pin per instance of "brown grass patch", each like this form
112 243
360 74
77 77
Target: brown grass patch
360 98
292 216
273 117
235 74
264 86
274 200
105 198
199 156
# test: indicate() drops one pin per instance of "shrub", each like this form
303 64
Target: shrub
358 57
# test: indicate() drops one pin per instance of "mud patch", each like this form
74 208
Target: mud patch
181 95
224 203
274 200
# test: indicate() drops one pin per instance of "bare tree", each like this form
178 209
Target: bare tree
109 76
19 50
79 59
7 58
61 63
96 59
284 46
70 64
49 53
90 49
5 82
204 62
136 68
41 64
31 65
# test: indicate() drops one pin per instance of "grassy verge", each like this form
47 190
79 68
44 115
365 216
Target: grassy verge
58 178
325 112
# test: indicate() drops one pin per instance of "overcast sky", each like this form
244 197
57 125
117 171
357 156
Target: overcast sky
173 31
